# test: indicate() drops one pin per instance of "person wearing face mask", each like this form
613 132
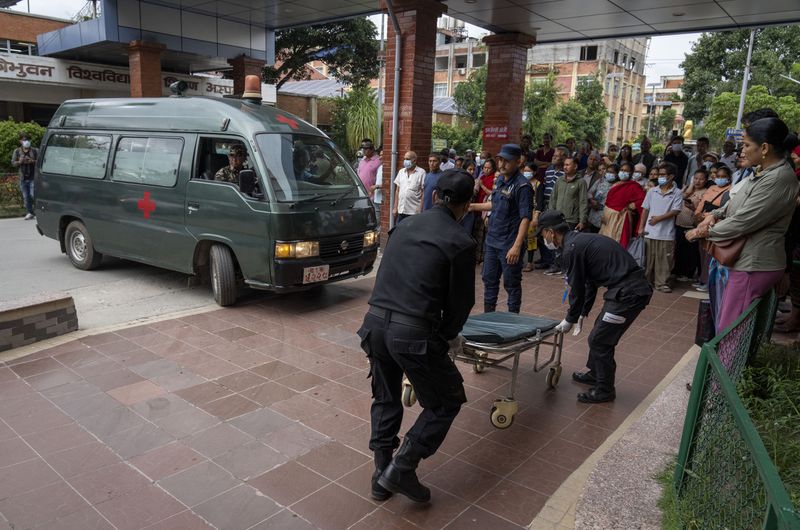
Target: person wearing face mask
675 155
623 208
611 156
423 294
529 172
569 197
591 174
715 196
660 208
409 185
511 207
597 194
640 175
24 158
485 185
760 211
592 261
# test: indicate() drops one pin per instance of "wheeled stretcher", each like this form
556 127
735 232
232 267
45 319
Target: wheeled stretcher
491 339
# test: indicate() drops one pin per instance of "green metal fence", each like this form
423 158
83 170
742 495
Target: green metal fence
724 477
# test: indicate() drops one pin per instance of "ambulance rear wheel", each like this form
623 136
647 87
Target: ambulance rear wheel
223 275
80 248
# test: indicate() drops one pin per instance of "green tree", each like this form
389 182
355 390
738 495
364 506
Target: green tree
348 47
9 140
724 109
664 123
590 95
354 117
540 104
574 117
470 99
717 61
459 138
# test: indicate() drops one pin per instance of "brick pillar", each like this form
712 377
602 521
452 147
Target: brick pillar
505 88
144 59
417 19
242 67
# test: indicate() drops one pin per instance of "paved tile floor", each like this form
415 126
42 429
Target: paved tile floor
257 417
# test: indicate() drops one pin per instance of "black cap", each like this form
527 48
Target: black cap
550 219
455 185
510 152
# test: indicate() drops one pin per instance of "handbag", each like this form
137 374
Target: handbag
709 207
725 252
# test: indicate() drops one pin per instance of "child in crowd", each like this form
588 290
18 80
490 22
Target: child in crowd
661 206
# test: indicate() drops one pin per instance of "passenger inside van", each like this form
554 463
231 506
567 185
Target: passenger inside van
237 155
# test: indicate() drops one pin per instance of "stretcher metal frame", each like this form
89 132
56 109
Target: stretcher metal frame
483 354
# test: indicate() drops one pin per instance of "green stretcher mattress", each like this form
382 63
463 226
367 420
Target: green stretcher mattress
502 328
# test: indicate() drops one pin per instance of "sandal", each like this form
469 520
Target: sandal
527 268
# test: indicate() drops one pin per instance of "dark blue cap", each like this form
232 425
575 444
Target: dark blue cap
510 152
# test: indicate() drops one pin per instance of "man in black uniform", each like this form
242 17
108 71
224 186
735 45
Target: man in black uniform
423 294
592 261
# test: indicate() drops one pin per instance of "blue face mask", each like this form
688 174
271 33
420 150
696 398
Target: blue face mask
662 181
624 175
408 164
721 182
610 177
528 174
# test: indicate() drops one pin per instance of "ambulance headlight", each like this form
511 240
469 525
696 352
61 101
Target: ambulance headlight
370 238
296 250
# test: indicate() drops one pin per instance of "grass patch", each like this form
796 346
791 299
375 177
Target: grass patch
770 391
11 211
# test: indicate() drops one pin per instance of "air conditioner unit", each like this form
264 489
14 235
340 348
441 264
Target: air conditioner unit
462 71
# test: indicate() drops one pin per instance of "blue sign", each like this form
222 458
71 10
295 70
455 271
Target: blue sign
736 134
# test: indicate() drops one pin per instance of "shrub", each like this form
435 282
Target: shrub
10 196
9 140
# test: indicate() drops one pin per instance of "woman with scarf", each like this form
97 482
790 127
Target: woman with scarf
623 208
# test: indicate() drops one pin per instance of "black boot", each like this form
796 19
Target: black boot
400 475
382 459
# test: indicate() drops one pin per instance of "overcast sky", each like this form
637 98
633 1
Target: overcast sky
666 53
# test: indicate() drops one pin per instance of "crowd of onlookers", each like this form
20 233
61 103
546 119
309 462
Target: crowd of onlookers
672 204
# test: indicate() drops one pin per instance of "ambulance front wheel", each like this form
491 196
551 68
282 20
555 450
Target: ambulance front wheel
80 248
223 275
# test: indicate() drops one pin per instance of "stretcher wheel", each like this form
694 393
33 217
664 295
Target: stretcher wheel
409 397
503 412
553 376
480 365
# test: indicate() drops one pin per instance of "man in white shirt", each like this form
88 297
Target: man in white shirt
661 206
408 184
446 162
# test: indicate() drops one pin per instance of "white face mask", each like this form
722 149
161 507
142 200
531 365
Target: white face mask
637 175
676 148
549 244
707 165
624 175
26 144
408 164
527 174
479 161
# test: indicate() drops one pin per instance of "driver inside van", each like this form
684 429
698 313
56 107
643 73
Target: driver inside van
236 159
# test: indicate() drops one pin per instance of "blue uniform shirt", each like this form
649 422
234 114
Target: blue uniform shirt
512 201
431 179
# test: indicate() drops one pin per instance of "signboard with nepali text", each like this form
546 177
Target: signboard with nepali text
495 133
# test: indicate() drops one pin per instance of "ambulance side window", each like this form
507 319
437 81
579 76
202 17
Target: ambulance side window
152 161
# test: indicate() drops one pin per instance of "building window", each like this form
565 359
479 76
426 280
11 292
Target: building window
440 90
461 61
634 123
633 63
441 63
621 120
588 53
478 59
611 121
22 48
616 56
625 61
616 87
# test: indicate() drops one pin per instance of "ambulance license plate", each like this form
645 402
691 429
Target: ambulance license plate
316 274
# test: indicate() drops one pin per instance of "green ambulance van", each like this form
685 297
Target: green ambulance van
145 180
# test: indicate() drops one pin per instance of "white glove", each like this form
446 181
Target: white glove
578 327
456 345
564 326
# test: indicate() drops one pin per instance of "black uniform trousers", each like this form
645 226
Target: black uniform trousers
394 348
613 321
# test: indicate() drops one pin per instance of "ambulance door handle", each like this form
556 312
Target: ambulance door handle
193 206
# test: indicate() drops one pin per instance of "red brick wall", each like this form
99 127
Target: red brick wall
417 19
144 59
25 28
508 56
673 83
297 105
242 67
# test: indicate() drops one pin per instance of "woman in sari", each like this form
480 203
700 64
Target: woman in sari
623 208
597 192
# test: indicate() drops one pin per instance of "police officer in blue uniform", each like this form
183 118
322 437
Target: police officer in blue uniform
592 261
423 294
512 210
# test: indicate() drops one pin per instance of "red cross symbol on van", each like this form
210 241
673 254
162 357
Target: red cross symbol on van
146 205
288 121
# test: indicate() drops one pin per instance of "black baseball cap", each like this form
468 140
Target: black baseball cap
550 219
510 152
455 185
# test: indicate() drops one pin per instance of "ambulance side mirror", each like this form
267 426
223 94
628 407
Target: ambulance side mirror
247 182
